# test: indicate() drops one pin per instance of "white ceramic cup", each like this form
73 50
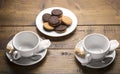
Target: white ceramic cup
96 46
28 43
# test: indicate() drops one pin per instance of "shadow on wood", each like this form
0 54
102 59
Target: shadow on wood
87 70
17 69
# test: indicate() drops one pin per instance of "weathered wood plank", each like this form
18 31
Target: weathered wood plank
99 12
61 61
112 32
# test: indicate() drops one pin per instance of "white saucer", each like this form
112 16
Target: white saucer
66 12
98 63
28 61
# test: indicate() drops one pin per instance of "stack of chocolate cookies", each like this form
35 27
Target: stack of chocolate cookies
56 21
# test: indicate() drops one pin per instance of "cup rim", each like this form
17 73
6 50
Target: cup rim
13 41
99 35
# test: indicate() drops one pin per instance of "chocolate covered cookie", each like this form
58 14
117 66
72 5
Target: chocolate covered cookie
61 28
54 21
57 12
46 17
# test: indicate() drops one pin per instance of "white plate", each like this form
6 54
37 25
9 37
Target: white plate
66 12
30 60
98 63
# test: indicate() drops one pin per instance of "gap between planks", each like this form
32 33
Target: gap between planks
77 25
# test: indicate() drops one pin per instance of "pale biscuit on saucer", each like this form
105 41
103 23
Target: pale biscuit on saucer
79 52
9 48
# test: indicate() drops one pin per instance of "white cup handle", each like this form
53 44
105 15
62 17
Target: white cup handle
84 60
16 55
113 45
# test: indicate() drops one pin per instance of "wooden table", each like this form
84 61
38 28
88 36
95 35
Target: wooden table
94 16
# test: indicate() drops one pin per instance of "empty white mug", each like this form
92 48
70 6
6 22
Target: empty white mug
96 46
28 43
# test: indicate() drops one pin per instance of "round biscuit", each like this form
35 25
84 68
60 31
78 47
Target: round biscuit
47 26
66 20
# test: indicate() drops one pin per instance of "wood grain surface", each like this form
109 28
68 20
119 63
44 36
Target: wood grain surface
60 57
94 16
69 41
60 61
99 12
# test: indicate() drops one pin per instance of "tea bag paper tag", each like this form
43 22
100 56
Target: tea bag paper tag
113 45
44 44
